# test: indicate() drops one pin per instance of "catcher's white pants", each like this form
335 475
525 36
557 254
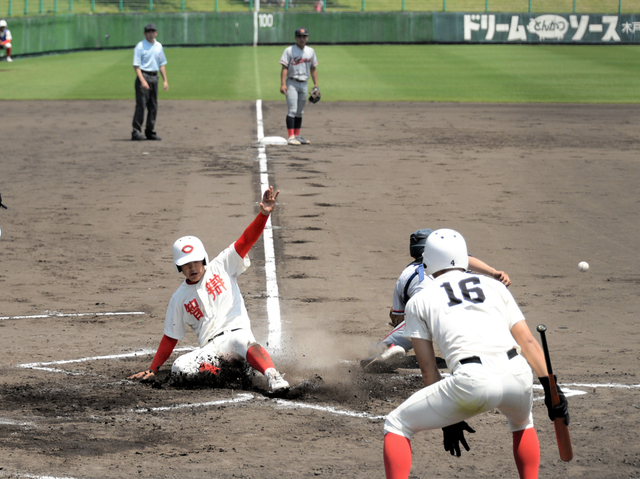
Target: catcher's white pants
397 337
296 97
228 345
472 389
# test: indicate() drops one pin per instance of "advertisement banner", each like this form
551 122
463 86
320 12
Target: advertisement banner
536 28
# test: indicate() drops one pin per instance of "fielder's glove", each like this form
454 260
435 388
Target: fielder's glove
562 409
454 435
315 95
1 205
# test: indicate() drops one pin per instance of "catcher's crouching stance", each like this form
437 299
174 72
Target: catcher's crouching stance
476 323
210 303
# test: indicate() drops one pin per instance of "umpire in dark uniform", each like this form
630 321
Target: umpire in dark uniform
148 60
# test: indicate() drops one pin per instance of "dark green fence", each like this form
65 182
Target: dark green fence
56 33
17 8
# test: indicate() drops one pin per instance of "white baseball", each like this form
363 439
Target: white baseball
583 266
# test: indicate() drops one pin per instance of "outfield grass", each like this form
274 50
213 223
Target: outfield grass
450 73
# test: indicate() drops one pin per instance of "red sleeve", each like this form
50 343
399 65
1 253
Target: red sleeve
250 235
164 351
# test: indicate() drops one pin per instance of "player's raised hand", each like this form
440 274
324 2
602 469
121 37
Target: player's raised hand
146 374
268 201
502 277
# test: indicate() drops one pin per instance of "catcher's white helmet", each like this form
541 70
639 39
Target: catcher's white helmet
445 249
3 23
188 249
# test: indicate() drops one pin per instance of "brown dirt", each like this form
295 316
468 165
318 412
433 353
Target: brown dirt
534 188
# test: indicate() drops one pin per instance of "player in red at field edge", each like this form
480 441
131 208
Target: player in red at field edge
488 347
210 303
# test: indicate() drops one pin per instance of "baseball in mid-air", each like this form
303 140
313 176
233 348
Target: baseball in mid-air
583 266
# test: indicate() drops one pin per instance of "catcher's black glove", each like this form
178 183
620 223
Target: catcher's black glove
315 95
562 409
1 205
454 435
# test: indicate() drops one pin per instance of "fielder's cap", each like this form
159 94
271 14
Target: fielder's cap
3 23
302 32
150 27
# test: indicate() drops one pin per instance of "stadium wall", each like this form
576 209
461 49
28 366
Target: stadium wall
45 34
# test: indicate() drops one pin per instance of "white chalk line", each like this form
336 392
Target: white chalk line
56 314
274 337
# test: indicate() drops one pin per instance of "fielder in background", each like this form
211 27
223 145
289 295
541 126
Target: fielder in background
486 342
298 64
5 39
210 303
148 59
390 352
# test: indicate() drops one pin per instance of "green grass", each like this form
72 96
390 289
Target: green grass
451 73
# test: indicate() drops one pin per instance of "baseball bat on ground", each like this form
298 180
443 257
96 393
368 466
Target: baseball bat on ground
562 431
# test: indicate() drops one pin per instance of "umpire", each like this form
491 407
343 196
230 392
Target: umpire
148 59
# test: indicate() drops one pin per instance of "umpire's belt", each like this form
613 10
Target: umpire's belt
153 74
223 332
512 353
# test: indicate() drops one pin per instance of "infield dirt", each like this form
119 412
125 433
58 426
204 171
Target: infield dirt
535 189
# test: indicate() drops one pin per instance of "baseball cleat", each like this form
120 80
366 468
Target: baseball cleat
302 140
9 59
276 381
293 141
384 360
137 136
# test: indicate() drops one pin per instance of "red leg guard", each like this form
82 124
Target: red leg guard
259 358
526 452
397 456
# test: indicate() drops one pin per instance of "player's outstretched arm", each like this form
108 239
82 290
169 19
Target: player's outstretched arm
480 266
165 349
268 201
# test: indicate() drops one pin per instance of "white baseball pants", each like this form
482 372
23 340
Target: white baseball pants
499 382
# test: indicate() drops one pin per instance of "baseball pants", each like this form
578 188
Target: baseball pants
472 389
229 344
396 337
296 97
146 100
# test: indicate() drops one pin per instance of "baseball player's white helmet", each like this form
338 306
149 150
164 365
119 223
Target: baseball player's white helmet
3 23
445 249
188 249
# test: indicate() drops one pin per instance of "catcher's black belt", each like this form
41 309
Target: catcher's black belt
295 79
512 353
220 334
149 73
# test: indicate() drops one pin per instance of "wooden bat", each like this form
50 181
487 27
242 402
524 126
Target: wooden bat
562 431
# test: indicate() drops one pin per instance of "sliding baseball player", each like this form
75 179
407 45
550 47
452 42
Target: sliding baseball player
209 302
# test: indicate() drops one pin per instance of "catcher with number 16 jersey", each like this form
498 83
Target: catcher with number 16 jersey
298 64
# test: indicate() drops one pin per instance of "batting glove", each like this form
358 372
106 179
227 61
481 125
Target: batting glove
562 409
454 436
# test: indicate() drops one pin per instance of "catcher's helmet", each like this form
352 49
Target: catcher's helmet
188 249
417 241
445 249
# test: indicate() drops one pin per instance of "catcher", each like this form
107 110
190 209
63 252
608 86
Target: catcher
298 64
393 348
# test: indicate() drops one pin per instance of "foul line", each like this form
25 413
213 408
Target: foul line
273 301
56 314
